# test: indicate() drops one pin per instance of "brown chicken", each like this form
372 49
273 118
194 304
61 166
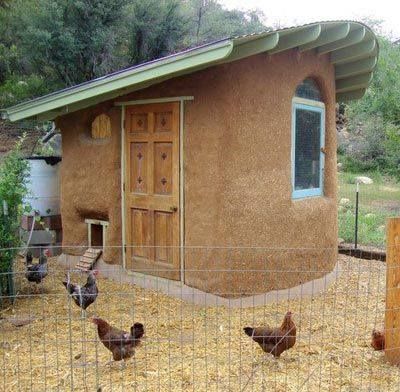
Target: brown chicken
378 340
121 343
275 340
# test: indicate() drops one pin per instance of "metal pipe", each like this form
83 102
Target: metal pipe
356 219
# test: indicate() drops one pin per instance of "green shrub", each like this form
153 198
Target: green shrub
13 188
369 226
348 178
17 89
373 145
374 120
392 148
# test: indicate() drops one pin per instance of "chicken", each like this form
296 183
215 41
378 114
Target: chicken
36 272
85 295
29 257
275 340
378 340
121 343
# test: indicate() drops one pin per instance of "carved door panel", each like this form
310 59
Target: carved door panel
152 189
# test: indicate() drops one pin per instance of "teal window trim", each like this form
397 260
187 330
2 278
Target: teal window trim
317 107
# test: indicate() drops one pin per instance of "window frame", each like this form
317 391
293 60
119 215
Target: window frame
318 107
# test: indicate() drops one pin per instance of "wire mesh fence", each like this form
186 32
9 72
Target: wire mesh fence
363 221
193 340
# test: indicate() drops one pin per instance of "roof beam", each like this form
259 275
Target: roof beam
355 68
352 83
328 36
353 52
352 38
296 38
52 114
254 47
350 95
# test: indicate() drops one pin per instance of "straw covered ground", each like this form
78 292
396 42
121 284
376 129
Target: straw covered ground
194 348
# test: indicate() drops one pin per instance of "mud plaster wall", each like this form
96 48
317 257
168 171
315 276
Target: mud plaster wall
237 141
90 179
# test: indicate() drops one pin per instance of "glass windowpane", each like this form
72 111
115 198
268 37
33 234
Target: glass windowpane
307 149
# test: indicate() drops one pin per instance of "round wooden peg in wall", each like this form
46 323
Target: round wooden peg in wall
101 127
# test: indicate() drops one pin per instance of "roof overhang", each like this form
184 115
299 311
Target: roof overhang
352 48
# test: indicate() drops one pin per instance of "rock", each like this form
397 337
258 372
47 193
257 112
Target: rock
339 166
345 133
370 215
344 202
5 346
364 180
21 320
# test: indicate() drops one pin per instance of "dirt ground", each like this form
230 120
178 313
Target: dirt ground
193 348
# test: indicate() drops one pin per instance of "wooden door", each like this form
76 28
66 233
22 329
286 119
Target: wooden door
152 189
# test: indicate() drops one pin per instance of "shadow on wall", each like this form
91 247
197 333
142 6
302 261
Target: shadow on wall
85 213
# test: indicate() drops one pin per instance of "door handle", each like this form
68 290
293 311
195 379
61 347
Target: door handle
173 208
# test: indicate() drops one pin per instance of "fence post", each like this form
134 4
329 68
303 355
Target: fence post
392 313
356 217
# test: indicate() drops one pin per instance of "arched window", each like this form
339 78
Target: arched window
308 139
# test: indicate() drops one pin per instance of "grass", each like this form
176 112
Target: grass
377 202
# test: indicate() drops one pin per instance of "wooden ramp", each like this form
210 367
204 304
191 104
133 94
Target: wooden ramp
87 261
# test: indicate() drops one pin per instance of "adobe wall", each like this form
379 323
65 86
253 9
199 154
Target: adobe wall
237 141
90 180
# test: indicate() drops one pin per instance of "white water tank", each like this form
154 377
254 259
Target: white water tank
44 185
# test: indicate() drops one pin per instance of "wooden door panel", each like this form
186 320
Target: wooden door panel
139 167
163 121
163 168
152 189
140 223
163 236
160 203
137 122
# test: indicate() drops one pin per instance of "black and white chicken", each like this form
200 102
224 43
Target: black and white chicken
85 295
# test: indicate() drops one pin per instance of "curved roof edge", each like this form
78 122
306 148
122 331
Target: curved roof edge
352 48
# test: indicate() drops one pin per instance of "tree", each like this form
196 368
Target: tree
49 44
383 94
210 21
156 28
72 41
379 112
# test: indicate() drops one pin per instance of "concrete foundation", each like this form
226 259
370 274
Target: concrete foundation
202 298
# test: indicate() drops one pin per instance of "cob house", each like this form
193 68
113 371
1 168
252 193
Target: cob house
215 166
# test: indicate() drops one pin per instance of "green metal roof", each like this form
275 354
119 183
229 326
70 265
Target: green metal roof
352 48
